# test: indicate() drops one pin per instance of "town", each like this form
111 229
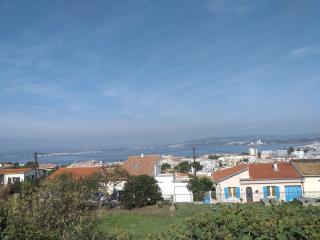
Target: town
281 175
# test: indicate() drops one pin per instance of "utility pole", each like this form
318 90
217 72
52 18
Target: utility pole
36 165
194 161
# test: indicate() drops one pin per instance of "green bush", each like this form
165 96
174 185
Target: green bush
53 209
140 191
279 222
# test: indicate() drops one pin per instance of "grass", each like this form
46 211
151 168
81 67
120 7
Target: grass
139 223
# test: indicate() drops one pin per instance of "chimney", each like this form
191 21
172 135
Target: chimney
275 167
142 155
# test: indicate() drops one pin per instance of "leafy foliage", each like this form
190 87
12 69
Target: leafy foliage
183 167
214 157
110 176
56 209
278 222
198 186
140 191
165 166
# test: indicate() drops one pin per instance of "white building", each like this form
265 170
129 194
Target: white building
309 170
252 182
298 154
10 176
174 187
253 151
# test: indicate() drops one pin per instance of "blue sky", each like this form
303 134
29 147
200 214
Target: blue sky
158 71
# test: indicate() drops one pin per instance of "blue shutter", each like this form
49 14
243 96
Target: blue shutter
277 193
265 193
226 195
238 192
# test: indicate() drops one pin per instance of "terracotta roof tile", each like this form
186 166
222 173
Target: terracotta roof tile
259 171
228 172
141 165
78 172
266 171
14 170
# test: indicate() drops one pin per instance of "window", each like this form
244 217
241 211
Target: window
271 191
16 179
9 180
232 192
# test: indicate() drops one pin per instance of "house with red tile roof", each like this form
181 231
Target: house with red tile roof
77 172
14 175
252 182
142 165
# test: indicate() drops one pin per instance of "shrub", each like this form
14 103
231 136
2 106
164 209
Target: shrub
55 209
198 186
140 191
285 221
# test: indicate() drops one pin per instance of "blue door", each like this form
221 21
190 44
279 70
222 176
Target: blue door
293 192
206 199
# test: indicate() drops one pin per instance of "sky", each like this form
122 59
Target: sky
148 71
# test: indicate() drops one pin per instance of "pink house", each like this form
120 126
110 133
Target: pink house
252 182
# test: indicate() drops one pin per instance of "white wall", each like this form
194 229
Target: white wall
242 180
173 189
230 182
311 186
22 176
7 176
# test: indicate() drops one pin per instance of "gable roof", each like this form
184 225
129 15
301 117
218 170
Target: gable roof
14 170
307 167
141 165
266 171
260 171
77 172
223 174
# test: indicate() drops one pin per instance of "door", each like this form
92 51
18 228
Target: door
292 192
249 195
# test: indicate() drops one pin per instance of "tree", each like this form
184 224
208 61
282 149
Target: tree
183 167
213 157
110 177
140 191
196 166
56 209
198 186
29 165
290 150
165 166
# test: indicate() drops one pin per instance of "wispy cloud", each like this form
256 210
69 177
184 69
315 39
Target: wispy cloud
303 52
233 6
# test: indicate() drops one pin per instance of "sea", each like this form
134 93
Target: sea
117 154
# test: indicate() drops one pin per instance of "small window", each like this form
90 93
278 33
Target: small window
9 180
16 179
271 191
232 192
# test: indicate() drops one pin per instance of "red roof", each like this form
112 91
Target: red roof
228 172
141 165
266 171
258 171
14 170
78 172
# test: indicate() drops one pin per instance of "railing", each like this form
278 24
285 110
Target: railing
241 198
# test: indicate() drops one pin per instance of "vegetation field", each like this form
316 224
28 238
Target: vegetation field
140 223
255 221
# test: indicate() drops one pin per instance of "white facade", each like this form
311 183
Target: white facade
17 177
242 182
311 186
174 189
253 151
